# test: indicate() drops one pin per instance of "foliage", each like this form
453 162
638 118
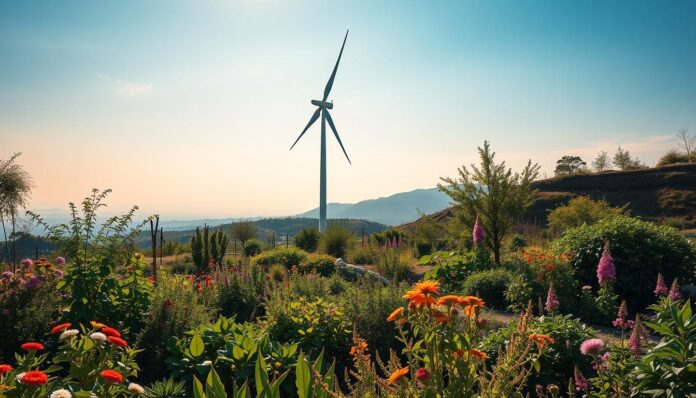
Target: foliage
288 257
451 269
490 285
322 264
15 189
582 210
606 305
568 165
207 248
388 235
337 240
601 162
253 247
242 293
307 239
243 231
624 161
494 194
167 388
673 157
395 264
363 255
640 250
517 242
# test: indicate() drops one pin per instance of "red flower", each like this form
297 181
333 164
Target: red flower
111 376
4 369
167 303
117 341
60 328
35 378
32 346
110 332
422 375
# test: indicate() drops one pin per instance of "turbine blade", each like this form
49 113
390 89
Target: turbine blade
314 118
329 84
333 127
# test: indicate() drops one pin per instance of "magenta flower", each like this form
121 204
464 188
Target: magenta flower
478 233
581 383
552 302
674 293
606 271
27 262
592 347
634 342
620 321
7 275
33 283
661 287
60 260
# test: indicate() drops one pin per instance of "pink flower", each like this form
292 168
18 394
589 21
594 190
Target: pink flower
620 321
606 271
592 347
478 233
581 383
60 261
552 302
27 262
661 287
634 342
674 293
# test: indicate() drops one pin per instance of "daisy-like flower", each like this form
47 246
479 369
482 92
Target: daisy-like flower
136 388
111 376
5 368
97 325
98 336
448 300
60 328
62 393
397 314
68 334
34 378
117 341
541 339
471 301
592 347
32 346
397 375
422 375
110 331
440 316
427 287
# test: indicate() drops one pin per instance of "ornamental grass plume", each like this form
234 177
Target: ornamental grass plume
552 302
661 289
674 293
606 271
592 347
478 233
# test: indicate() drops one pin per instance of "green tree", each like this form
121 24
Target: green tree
601 162
15 189
308 239
581 210
197 248
624 161
494 193
569 165
244 230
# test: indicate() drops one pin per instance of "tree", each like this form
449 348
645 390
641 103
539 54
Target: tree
624 161
493 193
687 142
244 230
15 189
568 165
307 239
601 162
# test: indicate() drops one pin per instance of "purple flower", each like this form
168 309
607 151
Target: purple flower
620 321
58 273
602 362
478 231
606 271
27 262
60 261
592 347
7 275
661 287
634 342
33 283
552 302
674 293
581 383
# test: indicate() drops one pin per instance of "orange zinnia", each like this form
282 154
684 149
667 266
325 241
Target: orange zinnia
422 300
470 311
427 287
478 354
471 300
449 300
541 339
458 354
60 328
397 375
396 315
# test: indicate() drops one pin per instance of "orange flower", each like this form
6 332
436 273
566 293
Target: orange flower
471 301
97 325
422 300
427 287
478 354
458 354
60 328
440 316
110 331
34 378
448 300
117 341
470 311
541 339
397 375
32 346
111 376
396 315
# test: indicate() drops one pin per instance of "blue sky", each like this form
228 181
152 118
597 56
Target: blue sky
189 108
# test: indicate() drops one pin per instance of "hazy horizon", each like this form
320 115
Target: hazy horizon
188 109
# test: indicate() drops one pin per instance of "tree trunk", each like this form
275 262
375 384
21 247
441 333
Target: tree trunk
7 243
14 244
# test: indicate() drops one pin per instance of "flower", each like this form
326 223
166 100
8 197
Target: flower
458 353
478 233
167 303
674 293
448 300
31 346
110 331
7 275
136 388
98 336
34 378
581 383
660 286
541 339
552 302
620 321
397 375
592 347
60 328
478 354
396 314
427 287
422 375
33 283
58 273
470 311
471 301
5 368
440 316
117 341
70 333
634 342
62 393
606 271
27 262
420 299
97 325
111 376
60 260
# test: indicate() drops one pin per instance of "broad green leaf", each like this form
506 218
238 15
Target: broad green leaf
197 346
303 378
214 384
198 391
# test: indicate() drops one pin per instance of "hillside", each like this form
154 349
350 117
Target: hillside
652 194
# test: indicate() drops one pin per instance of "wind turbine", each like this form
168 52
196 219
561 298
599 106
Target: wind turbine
323 110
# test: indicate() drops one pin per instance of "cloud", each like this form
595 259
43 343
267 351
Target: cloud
127 88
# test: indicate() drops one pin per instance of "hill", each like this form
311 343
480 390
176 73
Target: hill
652 194
391 210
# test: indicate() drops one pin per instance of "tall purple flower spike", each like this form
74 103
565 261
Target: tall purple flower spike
606 271
478 231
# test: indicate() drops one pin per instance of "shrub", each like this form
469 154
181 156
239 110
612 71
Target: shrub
640 250
581 210
517 242
288 257
363 255
395 264
423 248
277 272
322 264
451 268
307 239
252 247
673 156
490 285
241 293
336 241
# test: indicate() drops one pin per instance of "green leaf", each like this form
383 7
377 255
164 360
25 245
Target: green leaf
261 377
198 388
214 384
197 346
303 378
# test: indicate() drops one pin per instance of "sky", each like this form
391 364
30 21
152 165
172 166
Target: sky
188 108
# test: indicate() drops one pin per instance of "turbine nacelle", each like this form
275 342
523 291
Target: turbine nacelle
323 104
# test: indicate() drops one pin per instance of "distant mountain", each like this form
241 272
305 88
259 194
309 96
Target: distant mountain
396 209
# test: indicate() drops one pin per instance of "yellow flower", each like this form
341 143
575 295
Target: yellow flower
97 325
397 375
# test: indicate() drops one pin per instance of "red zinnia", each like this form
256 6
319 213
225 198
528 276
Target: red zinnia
422 375
117 341
4 369
110 332
60 328
35 378
111 376
32 346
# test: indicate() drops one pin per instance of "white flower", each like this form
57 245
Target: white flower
98 336
207 363
20 376
136 388
62 393
68 334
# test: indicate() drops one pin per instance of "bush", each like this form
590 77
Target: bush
322 264
242 295
395 264
490 285
640 250
673 157
581 210
336 241
307 239
517 242
288 257
451 269
363 255
423 248
252 247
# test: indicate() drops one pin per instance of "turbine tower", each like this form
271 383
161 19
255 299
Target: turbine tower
323 111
